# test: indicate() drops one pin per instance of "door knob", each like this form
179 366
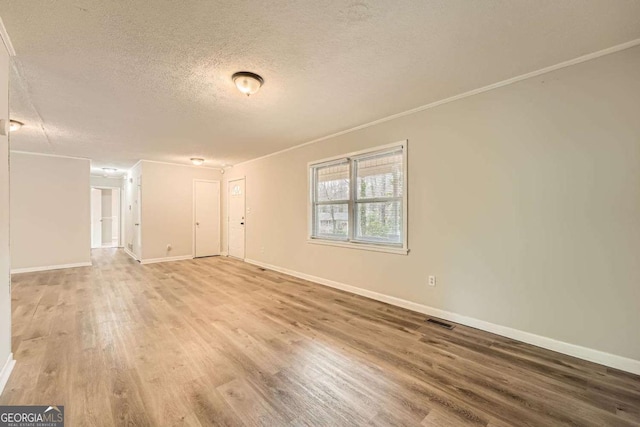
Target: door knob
242 223
136 224
197 223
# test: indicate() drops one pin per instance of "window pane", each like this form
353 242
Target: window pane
332 183
379 176
332 221
379 222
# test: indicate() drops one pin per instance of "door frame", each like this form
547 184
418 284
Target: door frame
121 224
244 178
193 213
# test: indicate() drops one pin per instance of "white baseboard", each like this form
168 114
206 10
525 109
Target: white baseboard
49 267
585 353
128 252
6 372
166 259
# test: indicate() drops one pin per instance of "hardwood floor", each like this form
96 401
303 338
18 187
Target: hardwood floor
219 342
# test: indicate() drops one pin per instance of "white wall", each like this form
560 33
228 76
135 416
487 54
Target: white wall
5 279
101 181
167 208
524 201
50 211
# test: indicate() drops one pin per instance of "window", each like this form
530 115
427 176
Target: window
359 200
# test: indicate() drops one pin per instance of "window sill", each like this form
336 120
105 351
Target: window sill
363 246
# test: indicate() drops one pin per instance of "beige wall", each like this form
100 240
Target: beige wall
524 201
50 211
5 280
167 208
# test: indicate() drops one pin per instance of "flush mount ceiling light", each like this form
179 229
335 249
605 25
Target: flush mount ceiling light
247 83
110 170
15 125
197 161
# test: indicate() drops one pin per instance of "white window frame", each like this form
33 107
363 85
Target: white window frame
351 241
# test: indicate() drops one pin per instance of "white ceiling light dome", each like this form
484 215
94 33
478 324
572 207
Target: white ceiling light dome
247 82
197 161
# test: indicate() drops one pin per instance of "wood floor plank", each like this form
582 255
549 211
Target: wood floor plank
215 341
249 406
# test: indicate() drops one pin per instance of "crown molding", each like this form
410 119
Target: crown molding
49 155
570 62
180 164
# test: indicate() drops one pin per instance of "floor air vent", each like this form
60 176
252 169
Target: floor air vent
441 323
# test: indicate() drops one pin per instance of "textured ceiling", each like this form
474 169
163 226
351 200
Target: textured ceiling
117 81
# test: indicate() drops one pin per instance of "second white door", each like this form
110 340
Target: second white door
136 219
236 218
207 218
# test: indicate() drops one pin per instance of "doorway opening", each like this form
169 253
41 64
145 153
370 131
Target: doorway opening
105 217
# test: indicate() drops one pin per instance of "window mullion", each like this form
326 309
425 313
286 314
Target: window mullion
352 198
379 200
332 202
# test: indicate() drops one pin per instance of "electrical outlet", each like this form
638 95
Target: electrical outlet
432 280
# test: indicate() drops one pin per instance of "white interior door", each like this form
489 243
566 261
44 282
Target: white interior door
107 218
115 211
137 226
236 218
206 207
96 218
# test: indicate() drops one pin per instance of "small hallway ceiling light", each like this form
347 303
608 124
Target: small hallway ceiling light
197 161
110 170
15 125
247 83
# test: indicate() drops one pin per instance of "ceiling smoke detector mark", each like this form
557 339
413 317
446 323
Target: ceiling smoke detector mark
356 12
